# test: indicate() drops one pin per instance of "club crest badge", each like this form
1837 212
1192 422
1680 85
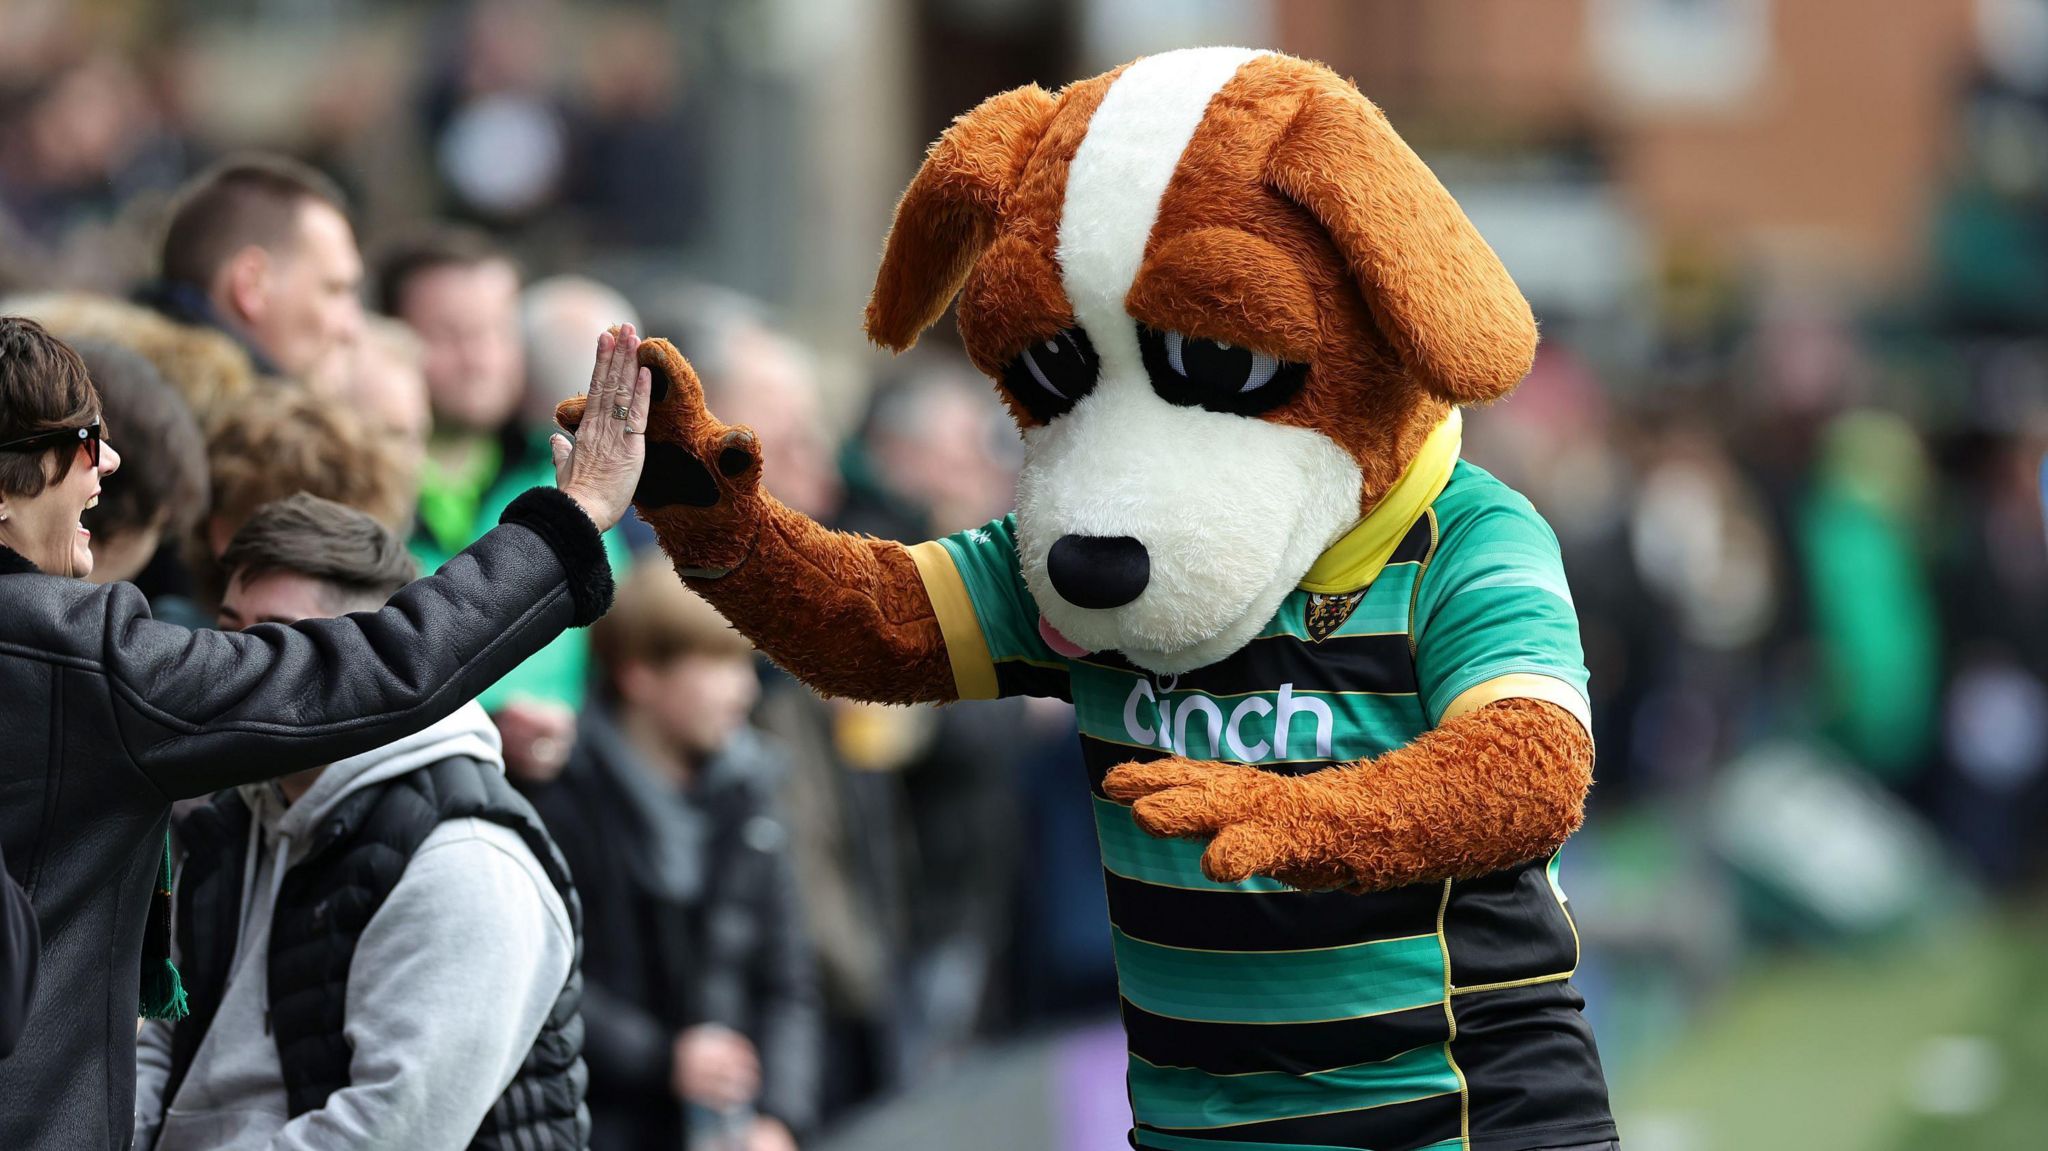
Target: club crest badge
1327 613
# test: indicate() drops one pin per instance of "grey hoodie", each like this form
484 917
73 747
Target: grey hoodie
449 985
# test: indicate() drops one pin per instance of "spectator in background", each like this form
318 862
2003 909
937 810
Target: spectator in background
939 455
293 441
702 1006
260 247
81 140
558 316
386 384
456 906
936 456
845 798
490 115
1876 624
770 381
460 295
645 132
165 490
207 368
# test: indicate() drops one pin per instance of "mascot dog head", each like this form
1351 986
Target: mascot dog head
1225 304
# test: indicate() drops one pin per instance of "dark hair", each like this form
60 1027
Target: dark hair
325 541
426 251
43 387
164 468
243 200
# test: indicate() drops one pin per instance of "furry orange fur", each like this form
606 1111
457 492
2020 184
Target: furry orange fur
1297 223
1487 790
845 614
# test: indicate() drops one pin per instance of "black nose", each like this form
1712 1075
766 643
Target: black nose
1098 571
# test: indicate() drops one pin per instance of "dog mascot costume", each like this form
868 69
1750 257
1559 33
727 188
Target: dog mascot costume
1328 677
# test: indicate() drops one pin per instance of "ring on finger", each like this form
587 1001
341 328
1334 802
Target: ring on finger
621 411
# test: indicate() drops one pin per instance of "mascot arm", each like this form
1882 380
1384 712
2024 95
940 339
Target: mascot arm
1485 790
848 615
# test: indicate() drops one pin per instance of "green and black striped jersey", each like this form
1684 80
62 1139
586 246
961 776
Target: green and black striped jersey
1260 1016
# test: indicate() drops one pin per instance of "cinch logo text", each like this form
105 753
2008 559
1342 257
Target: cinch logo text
1256 729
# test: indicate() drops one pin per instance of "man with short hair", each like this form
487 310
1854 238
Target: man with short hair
260 247
382 952
460 294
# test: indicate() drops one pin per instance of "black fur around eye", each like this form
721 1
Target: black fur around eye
1051 375
1211 374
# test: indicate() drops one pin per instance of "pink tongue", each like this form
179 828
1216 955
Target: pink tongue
1059 643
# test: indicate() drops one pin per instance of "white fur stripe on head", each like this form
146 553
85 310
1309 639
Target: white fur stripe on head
1118 176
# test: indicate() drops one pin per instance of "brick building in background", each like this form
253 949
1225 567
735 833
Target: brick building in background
1766 134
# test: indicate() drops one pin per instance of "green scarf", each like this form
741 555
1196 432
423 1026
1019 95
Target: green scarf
163 993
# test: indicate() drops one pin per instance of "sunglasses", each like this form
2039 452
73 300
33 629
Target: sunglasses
87 437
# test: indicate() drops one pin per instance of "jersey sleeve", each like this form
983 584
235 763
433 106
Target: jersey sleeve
1494 618
987 615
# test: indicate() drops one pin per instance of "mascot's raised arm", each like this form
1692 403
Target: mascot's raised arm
1327 675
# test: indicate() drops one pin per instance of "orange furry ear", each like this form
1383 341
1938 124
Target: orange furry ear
948 215
1434 286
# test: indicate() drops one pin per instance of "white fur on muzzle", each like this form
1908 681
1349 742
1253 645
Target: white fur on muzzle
1231 510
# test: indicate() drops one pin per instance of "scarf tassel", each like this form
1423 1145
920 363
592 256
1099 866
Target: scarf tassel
163 991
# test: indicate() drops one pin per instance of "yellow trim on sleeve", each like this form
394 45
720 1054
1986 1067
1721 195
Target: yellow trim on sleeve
1523 685
974 671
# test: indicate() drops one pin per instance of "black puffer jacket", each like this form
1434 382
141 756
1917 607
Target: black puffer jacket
364 844
107 715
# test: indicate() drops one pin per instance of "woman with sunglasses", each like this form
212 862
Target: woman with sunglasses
107 715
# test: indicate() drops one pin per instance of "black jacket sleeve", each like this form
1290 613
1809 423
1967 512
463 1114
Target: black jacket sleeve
20 945
203 710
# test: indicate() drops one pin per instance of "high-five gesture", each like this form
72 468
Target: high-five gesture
601 469
701 492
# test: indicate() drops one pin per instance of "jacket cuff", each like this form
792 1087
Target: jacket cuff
576 542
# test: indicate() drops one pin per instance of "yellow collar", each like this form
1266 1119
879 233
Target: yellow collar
1355 560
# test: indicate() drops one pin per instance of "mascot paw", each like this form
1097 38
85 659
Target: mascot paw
1260 823
700 490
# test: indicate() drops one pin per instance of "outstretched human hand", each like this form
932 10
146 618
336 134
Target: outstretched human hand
602 467
702 490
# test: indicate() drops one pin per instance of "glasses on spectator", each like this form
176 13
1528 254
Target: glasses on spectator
87 437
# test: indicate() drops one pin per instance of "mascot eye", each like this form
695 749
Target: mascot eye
1212 374
1051 375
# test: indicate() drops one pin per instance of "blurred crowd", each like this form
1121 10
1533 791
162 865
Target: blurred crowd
1805 540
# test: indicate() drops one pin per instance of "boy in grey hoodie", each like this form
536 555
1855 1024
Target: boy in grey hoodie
382 952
